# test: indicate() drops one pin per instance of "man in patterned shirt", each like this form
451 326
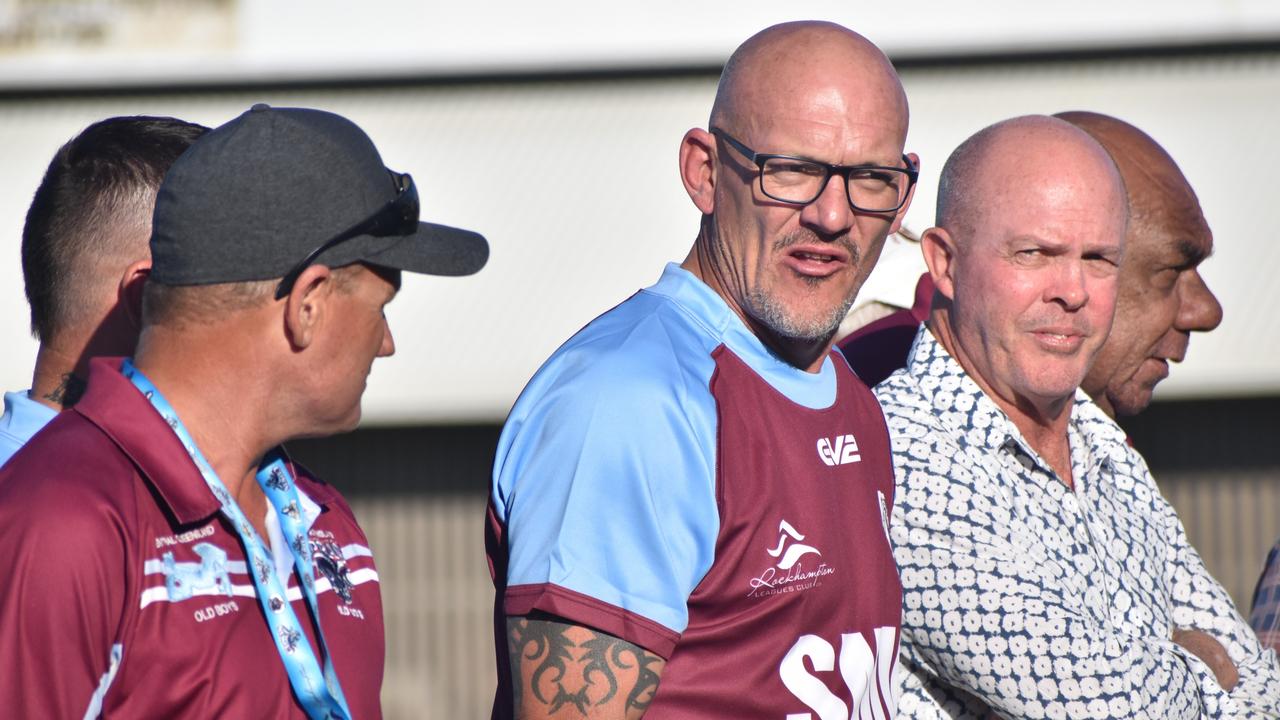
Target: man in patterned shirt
1043 574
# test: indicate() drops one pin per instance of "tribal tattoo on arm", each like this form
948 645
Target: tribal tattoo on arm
562 670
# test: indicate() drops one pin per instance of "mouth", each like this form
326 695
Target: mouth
1063 341
1161 367
816 261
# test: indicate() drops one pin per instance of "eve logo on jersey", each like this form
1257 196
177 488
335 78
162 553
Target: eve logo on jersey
841 450
867 673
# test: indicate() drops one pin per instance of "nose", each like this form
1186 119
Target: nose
388 347
1199 309
1069 285
829 214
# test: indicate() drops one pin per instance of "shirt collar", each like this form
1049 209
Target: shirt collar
706 307
970 414
23 416
115 406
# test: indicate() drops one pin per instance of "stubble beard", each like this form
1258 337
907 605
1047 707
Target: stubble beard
774 314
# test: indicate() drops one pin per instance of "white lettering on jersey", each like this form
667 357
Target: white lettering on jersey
867 675
841 450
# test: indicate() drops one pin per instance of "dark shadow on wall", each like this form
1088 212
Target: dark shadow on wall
1217 435
417 460
1222 434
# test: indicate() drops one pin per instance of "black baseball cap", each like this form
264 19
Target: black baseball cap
252 198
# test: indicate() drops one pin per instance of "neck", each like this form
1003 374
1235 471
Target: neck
218 409
805 354
62 363
56 381
1043 423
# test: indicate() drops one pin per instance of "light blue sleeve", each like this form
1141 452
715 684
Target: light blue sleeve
605 472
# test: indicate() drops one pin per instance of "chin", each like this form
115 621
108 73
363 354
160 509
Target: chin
1128 403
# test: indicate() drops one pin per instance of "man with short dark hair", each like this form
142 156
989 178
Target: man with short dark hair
1043 574
163 555
84 258
689 499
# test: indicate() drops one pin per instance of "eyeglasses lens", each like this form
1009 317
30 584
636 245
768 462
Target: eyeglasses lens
870 189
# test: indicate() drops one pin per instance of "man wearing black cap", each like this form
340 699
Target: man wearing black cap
164 557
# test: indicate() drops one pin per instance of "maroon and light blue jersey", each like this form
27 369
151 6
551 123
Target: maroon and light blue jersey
127 594
667 480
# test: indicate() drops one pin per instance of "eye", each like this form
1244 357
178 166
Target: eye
873 178
784 168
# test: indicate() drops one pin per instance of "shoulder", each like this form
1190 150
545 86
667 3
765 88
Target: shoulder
68 466
646 357
70 496
904 401
625 402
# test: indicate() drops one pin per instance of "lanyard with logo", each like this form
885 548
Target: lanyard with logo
320 693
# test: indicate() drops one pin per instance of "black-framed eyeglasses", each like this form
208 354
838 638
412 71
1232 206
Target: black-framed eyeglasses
398 217
799 180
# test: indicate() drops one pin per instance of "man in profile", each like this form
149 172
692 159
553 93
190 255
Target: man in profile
1043 573
163 555
689 498
85 256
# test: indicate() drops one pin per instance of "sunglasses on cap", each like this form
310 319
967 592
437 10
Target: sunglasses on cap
395 219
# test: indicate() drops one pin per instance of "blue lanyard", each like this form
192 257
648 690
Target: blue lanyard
320 694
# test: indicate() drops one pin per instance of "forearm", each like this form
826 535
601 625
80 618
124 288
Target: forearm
1060 666
1201 603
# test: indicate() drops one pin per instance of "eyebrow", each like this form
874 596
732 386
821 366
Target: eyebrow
1193 252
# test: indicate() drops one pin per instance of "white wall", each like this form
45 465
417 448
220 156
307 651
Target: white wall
194 40
575 185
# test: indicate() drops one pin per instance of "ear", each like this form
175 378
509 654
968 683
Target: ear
902 211
129 292
305 304
698 168
939 250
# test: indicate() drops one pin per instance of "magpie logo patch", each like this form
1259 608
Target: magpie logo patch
840 450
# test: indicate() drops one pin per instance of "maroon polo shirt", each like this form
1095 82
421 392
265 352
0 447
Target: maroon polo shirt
114 545
878 348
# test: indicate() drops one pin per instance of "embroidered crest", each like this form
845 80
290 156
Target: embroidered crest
329 561
207 577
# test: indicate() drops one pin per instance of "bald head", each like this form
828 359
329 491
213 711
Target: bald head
1154 182
803 69
789 258
1162 297
1034 158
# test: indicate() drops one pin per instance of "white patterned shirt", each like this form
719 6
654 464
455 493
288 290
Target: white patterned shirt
1037 601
